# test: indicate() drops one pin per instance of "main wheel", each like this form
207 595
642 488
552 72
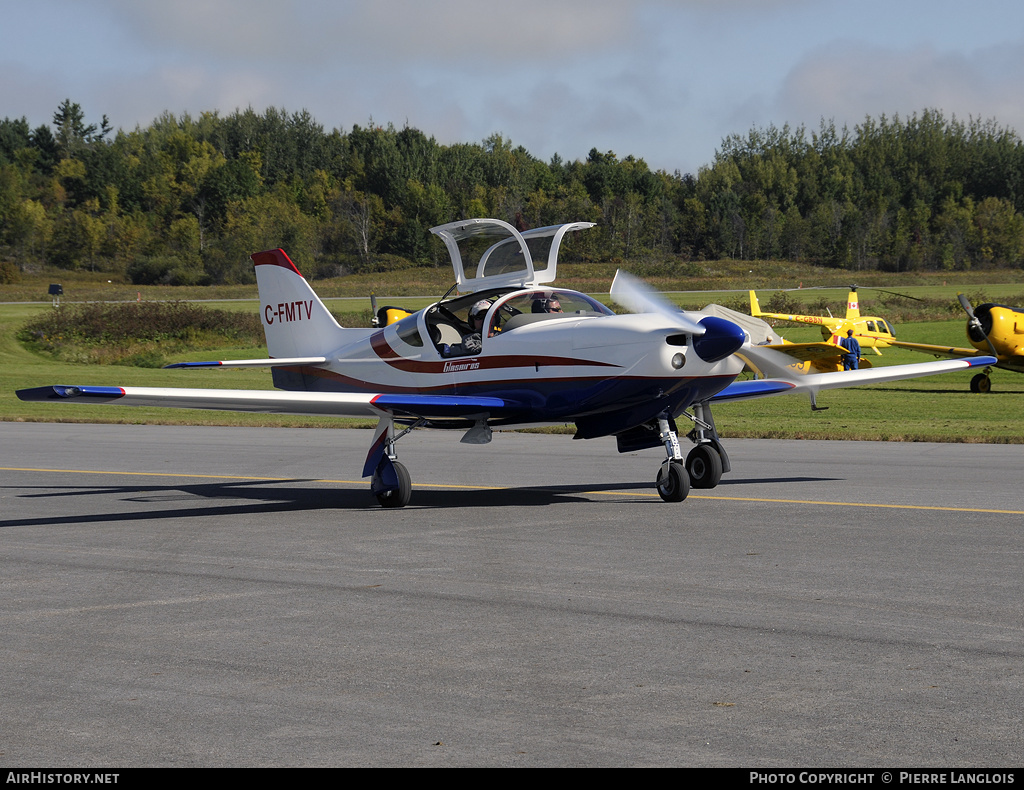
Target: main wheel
673 482
981 383
397 497
704 466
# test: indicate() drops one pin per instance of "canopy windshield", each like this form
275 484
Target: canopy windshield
488 253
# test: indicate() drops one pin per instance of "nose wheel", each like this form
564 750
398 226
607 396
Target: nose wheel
673 481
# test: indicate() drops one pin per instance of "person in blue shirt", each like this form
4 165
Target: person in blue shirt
851 359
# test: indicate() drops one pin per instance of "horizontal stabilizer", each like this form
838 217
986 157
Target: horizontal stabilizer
251 363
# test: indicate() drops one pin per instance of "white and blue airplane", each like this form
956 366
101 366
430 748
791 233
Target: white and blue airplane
508 350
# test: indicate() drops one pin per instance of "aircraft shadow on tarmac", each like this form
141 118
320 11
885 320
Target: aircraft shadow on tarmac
285 496
296 495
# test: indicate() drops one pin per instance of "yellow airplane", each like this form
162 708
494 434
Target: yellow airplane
993 329
870 331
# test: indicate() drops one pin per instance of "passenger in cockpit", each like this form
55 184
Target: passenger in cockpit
549 305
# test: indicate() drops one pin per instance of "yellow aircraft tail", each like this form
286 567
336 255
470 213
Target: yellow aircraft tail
755 308
852 306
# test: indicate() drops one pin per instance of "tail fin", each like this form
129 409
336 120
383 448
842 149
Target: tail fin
852 306
755 307
295 321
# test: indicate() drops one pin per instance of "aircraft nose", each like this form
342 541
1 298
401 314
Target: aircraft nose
720 339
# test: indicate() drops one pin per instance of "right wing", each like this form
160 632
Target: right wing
813 382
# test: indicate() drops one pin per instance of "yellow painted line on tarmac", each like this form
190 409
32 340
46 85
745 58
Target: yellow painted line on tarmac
819 502
552 488
141 474
861 504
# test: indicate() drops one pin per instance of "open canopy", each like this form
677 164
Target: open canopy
490 253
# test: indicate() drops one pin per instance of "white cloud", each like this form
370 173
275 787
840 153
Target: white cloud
849 81
387 32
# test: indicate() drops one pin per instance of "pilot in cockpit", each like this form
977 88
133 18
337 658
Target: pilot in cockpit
472 343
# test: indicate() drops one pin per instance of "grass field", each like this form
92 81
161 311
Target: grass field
932 409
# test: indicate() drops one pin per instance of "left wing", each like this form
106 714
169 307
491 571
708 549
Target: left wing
342 404
812 383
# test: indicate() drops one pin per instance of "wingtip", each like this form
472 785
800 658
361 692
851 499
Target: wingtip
64 392
35 394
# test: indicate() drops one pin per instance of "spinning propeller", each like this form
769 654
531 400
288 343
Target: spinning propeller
713 338
975 323
637 296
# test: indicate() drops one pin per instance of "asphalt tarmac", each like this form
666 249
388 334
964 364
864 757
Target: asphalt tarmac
234 597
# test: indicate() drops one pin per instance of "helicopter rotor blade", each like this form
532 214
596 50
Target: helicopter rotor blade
896 293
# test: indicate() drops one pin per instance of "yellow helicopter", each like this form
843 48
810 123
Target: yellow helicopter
870 331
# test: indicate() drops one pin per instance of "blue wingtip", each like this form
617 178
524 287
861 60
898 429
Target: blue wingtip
63 392
193 365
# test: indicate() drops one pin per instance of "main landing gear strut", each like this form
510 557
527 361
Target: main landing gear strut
704 465
390 481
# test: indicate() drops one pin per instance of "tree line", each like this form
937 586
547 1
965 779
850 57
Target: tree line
186 200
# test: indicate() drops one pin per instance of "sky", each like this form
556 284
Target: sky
662 80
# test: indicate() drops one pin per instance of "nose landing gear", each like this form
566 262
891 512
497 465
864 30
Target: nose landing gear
704 465
673 480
